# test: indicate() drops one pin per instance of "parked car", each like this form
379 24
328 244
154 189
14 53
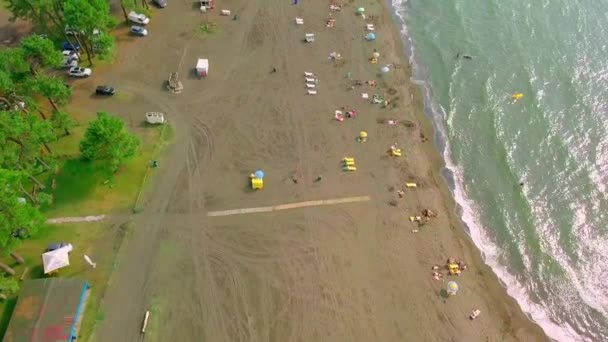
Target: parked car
139 31
161 3
104 90
69 62
56 245
80 72
138 18
70 47
70 54
72 32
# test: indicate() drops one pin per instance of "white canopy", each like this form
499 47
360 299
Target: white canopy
56 259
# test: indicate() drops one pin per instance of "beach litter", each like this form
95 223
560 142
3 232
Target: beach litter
225 12
335 8
365 96
331 23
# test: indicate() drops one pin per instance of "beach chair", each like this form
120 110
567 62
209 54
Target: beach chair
311 92
310 86
310 80
299 21
349 168
308 74
369 27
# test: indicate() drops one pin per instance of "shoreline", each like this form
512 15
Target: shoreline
349 272
445 177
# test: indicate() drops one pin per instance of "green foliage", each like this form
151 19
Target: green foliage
22 137
40 52
62 121
14 213
92 18
107 139
9 286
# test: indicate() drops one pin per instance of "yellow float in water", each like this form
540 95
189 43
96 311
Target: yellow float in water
517 96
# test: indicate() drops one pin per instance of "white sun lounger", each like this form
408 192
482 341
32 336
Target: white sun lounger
312 92
299 21
310 80
310 86
309 74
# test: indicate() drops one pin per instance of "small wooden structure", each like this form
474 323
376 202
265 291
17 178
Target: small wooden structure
175 85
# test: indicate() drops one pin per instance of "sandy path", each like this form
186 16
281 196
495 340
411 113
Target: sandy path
349 272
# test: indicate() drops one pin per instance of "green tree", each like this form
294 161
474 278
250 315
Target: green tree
62 121
51 88
40 52
8 286
45 15
91 18
107 139
23 137
18 217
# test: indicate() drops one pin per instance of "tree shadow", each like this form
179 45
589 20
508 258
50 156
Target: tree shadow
7 313
76 180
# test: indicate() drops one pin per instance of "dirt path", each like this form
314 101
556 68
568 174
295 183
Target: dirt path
347 272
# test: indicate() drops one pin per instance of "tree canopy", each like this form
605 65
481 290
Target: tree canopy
18 217
107 139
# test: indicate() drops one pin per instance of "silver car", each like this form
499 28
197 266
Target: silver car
161 3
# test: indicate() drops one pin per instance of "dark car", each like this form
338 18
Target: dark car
56 245
161 3
104 90
70 47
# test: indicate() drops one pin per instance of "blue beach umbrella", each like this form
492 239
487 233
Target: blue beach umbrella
259 174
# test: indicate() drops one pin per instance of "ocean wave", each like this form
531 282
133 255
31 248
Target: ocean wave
468 209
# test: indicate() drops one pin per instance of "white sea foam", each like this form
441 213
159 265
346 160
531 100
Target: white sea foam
490 252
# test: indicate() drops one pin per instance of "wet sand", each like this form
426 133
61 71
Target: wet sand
340 272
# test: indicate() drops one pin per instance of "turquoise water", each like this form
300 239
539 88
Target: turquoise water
548 238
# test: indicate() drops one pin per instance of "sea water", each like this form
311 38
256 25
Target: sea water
530 176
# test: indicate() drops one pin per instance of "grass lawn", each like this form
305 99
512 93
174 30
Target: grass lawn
88 188
96 240
84 188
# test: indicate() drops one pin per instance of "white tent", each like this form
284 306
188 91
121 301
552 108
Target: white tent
202 67
56 259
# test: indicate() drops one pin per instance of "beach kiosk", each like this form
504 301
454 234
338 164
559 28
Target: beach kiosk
257 180
202 67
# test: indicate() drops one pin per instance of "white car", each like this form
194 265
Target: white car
138 18
139 31
69 62
68 54
80 72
